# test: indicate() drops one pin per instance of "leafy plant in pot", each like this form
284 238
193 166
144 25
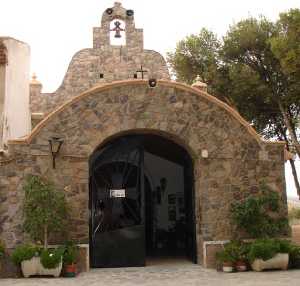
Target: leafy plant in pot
227 257
233 256
242 252
24 252
44 212
226 260
269 254
37 261
70 258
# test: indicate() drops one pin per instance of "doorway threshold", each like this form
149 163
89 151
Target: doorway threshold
167 260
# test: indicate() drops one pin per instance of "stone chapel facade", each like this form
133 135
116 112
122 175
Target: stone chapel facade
106 95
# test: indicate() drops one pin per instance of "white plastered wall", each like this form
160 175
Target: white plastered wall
16 111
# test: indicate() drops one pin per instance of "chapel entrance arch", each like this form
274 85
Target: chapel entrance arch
141 201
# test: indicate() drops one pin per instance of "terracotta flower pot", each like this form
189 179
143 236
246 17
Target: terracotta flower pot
241 266
70 270
227 266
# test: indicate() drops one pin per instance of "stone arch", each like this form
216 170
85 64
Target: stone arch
173 86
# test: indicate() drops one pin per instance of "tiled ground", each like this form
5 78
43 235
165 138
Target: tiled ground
175 274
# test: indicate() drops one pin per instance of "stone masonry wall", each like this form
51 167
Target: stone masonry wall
238 160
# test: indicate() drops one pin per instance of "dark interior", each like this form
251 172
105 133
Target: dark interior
141 202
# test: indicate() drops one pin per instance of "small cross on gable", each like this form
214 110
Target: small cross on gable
141 71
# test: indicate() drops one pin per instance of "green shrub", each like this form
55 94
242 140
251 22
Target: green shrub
232 252
294 258
2 249
256 216
284 246
224 256
50 258
70 253
24 252
267 248
44 209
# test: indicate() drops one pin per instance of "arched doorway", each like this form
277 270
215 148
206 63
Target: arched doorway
141 201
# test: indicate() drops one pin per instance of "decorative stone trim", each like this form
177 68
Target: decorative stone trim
87 247
38 115
172 84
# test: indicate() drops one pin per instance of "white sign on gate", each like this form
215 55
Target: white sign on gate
117 193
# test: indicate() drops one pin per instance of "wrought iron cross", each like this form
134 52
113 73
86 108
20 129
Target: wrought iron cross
142 71
117 29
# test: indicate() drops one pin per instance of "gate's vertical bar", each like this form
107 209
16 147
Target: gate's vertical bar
142 190
142 184
189 184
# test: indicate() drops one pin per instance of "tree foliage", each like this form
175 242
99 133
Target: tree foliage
195 55
44 209
255 69
286 46
249 69
249 43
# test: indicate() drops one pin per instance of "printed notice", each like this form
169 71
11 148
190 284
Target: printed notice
117 193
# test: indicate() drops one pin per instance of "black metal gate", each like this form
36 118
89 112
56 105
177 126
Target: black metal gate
116 205
119 190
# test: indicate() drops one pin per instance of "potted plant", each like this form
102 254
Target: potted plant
44 212
226 260
70 258
51 261
241 262
37 261
269 254
228 256
26 255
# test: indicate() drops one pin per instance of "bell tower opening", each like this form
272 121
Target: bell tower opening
117 34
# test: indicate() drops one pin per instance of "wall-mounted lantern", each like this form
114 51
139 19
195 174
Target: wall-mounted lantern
55 145
152 82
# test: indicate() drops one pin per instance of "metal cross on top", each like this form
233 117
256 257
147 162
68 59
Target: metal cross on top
142 71
117 29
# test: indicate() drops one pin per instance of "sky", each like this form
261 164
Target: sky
57 29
